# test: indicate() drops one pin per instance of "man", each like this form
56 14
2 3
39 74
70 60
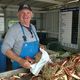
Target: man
21 40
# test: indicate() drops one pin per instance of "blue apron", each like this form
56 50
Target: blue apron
29 49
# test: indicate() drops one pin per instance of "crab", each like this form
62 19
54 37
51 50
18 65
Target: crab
63 70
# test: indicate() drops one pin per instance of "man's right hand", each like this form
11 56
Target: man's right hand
25 63
29 59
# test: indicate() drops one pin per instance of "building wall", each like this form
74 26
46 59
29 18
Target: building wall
51 23
79 32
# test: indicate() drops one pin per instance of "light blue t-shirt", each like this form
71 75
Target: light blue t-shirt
14 38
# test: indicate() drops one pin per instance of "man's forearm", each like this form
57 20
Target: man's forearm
14 57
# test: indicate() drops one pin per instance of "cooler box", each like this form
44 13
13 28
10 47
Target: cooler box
2 60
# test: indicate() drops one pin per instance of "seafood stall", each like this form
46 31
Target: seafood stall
64 67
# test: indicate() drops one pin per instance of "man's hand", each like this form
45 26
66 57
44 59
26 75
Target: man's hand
29 59
25 63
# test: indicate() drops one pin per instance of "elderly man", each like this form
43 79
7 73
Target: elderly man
21 40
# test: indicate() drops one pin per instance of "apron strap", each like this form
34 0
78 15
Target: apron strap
24 36
34 33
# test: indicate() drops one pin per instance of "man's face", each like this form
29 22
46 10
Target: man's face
25 15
